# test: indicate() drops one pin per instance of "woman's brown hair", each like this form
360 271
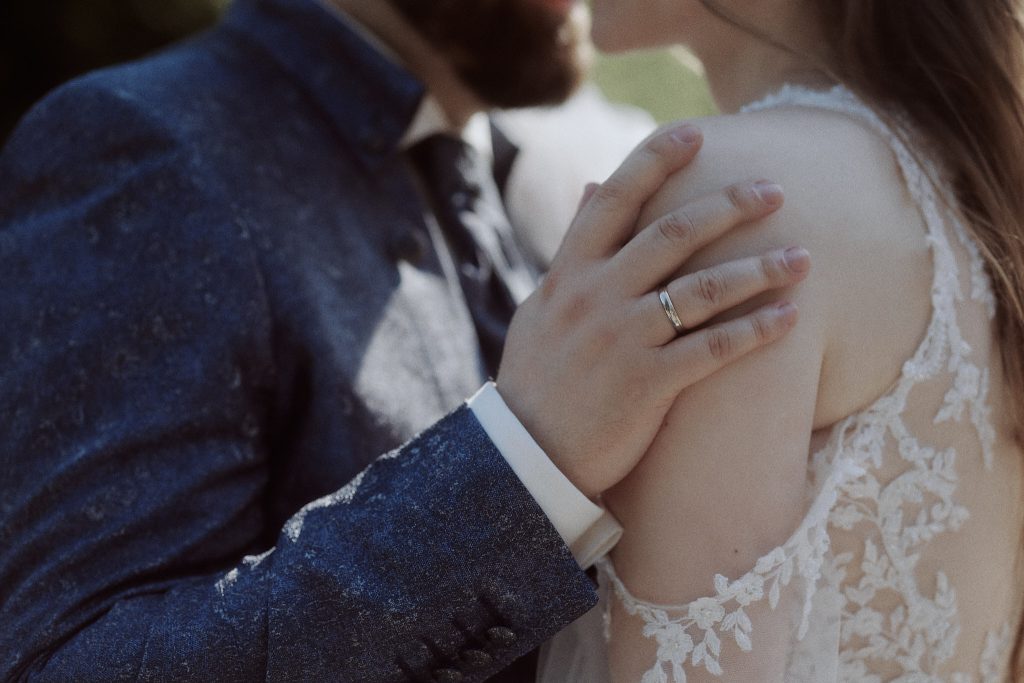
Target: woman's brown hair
956 68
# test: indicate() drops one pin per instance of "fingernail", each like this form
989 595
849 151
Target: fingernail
688 134
798 259
768 192
786 312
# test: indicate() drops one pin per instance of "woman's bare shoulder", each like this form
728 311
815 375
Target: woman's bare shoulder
840 177
847 204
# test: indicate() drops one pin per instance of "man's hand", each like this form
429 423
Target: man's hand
592 363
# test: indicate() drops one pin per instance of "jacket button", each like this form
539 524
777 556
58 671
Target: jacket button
477 659
502 636
411 247
448 676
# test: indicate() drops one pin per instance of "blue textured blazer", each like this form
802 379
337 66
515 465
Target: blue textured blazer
218 307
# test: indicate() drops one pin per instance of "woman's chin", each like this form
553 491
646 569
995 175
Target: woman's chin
608 40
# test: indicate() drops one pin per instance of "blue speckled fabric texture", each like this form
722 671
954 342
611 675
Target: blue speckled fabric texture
218 308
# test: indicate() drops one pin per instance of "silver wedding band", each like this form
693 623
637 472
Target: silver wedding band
670 311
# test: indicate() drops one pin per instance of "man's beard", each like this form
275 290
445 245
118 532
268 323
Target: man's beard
510 53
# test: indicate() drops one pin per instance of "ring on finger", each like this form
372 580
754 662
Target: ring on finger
670 311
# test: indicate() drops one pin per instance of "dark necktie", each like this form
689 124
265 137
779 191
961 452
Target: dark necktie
494 274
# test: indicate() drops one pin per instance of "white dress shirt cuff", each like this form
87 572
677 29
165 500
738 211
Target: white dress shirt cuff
589 530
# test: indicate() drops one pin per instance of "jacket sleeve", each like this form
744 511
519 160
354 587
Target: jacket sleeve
134 373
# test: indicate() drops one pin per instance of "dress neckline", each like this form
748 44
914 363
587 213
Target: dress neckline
788 93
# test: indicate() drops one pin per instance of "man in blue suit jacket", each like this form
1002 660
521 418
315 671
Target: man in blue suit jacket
223 298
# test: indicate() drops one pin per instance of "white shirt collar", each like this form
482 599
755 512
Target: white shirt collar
430 118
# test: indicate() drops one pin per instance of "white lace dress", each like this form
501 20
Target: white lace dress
889 576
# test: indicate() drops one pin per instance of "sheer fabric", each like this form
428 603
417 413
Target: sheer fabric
903 566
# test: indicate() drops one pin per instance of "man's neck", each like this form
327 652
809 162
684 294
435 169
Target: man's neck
416 55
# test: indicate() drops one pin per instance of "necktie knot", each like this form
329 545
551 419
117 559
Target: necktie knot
448 164
493 273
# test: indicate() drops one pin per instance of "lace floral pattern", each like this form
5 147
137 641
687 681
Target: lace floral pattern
896 518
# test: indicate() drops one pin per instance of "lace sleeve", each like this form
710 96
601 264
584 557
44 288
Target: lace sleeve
791 587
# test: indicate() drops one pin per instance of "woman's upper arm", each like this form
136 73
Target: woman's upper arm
725 481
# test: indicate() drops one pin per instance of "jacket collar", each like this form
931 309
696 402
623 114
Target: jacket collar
370 99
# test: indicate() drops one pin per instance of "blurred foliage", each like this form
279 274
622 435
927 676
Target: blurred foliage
46 42
659 81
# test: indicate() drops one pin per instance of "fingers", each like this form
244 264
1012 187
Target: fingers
697 355
588 192
701 296
607 219
663 247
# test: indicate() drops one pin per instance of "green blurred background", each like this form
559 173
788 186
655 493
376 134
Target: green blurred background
46 42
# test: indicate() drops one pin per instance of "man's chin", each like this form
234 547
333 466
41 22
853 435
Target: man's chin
510 53
554 90
545 73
